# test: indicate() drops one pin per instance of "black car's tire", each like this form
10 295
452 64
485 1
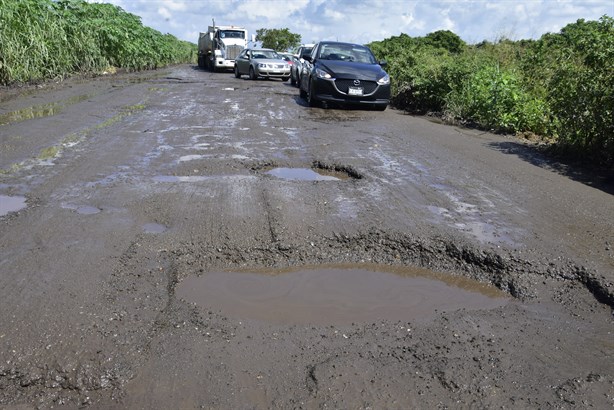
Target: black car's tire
302 93
237 74
292 81
252 73
312 101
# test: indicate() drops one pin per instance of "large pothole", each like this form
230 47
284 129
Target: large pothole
337 294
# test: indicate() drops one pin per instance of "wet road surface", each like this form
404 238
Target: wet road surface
117 192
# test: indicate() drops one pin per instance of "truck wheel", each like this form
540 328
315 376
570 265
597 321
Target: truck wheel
237 74
252 73
201 65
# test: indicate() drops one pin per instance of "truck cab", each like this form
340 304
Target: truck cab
219 47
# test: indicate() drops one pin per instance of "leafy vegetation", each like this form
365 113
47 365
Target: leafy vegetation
45 39
278 39
560 87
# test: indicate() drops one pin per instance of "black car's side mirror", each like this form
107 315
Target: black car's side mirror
307 57
383 63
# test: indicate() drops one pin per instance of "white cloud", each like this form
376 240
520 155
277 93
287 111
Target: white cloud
369 20
162 11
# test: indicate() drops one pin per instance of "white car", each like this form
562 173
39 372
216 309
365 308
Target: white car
261 62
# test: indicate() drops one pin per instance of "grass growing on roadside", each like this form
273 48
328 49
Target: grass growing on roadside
45 39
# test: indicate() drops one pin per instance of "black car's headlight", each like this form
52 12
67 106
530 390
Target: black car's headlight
385 80
323 74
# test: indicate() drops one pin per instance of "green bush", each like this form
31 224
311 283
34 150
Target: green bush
560 86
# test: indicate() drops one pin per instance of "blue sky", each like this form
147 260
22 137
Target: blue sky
363 21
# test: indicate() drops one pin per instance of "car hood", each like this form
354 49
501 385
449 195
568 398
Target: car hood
269 61
346 69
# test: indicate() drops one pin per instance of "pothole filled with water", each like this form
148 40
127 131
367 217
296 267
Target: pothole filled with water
337 295
306 174
41 111
11 204
154 228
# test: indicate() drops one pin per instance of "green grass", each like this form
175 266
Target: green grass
45 39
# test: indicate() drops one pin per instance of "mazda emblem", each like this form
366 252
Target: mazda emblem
356 82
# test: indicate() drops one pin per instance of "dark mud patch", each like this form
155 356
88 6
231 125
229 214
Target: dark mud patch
337 295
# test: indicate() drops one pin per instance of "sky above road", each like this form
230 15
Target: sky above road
363 21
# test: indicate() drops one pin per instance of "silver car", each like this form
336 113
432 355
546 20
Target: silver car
261 62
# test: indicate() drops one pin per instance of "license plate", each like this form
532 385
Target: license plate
355 91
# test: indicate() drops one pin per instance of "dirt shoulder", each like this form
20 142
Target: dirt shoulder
134 183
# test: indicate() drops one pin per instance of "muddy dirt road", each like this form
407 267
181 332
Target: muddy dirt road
184 239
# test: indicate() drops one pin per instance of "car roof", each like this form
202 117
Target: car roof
341 43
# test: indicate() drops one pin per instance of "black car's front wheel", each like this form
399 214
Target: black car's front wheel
237 74
312 101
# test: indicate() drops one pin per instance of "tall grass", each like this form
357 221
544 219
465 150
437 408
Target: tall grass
560 86
45 39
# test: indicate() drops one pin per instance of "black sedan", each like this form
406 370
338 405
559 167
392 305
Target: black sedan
344 73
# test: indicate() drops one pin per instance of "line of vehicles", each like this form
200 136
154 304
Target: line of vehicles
328 72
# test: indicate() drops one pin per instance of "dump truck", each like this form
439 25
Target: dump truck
219 46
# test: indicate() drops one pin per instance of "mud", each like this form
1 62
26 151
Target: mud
157 181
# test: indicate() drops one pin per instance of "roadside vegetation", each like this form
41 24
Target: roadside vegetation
559 89
47 39
278 39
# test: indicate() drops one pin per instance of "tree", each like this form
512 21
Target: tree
447 40
278 39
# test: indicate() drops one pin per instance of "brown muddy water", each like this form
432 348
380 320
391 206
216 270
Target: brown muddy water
337 295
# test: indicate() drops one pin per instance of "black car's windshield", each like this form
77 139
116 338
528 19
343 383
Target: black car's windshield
343 52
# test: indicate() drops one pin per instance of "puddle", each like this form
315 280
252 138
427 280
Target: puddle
305 174
337 294
11 204
154 228
40 111
172 178
82 209
87 210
